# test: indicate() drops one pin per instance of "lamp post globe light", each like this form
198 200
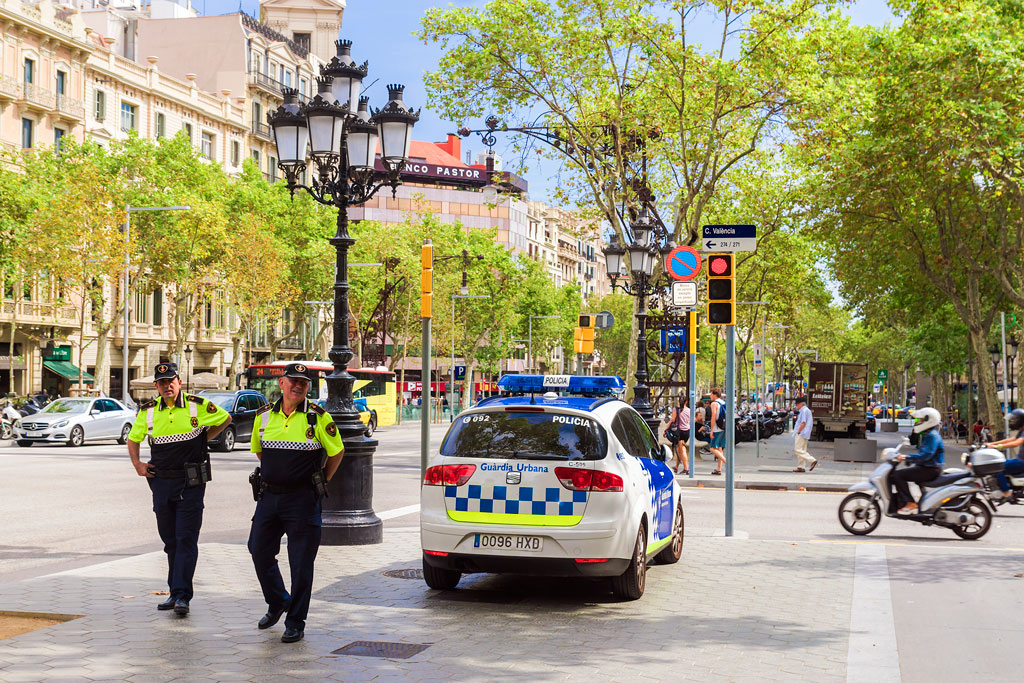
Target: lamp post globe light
643 251
335 136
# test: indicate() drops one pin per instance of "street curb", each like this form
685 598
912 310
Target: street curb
765 485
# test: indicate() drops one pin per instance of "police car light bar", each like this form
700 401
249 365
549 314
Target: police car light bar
570 384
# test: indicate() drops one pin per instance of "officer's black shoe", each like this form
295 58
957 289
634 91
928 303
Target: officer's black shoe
292 635
181 606
271 617
167 604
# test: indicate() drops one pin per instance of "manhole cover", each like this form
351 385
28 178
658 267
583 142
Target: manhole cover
381 648
404 573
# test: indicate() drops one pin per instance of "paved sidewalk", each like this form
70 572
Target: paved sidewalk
731 609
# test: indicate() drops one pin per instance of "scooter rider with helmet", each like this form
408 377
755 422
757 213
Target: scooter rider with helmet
927 462
1013 466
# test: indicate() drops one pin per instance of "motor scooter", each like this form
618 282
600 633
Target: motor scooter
8 417
957 499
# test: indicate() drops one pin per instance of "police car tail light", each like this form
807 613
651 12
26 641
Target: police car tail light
448 475
588 480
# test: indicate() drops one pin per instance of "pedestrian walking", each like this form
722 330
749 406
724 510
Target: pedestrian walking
978 426
178 426
679 428
291 438
801 435
716 419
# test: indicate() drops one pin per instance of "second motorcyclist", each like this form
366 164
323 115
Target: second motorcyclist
927 462
1013 466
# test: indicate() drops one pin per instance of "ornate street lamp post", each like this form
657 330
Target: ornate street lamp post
640 282
336 137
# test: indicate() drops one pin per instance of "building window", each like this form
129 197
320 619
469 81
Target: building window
62 83
26 133
280 72
140 314
188 131
287 79
128 116
302 40
99 105
236 153
58 135
304 86
206 145
257 114
256 158
30 71
273 169
158 307
161 126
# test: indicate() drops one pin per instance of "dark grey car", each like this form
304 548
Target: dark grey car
243 406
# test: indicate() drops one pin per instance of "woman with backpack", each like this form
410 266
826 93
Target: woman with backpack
678 434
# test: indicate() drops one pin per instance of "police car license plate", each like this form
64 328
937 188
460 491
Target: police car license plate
531 544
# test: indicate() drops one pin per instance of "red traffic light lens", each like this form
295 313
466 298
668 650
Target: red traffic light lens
720 265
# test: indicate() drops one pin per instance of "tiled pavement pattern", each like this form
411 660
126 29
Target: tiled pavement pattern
736 610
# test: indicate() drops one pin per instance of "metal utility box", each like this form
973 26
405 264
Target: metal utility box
856 450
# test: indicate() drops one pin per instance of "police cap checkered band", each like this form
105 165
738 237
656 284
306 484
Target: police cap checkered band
297 371
165 371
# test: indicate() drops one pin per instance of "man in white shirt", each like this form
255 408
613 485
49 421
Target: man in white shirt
801 435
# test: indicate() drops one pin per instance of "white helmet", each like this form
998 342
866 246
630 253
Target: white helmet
925 419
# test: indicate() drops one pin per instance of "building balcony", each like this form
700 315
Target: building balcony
25 312
35 98
262 130
266 83
70 108
10 89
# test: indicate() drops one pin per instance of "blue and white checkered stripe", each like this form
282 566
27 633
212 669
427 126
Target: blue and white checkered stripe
515 500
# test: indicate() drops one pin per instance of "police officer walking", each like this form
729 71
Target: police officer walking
291 438
178 426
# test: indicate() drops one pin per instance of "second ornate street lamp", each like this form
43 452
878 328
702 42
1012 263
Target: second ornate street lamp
643 253
339 144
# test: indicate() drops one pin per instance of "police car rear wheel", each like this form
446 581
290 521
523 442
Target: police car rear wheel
440 579
672 553
77 436
630 585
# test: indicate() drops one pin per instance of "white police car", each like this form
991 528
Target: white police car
542 484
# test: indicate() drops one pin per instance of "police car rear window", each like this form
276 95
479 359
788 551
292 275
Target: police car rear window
526 436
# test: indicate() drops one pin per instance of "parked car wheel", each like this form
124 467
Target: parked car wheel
371 426
77 436
123 439
227 440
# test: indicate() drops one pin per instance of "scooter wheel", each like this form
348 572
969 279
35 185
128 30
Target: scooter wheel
982 521
860 514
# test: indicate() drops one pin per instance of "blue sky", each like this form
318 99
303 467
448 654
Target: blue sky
381 31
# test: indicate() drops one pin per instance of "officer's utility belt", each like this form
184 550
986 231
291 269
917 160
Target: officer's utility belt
318 482
194 473
272 488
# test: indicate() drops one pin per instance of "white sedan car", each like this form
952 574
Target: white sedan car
74 421
550 485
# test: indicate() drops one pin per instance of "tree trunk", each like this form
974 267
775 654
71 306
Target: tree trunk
102 371
988 402
467 392
236 359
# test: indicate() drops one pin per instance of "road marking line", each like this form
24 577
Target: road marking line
826 540
873 655
399 512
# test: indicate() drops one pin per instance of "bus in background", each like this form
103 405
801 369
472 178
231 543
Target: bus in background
373 390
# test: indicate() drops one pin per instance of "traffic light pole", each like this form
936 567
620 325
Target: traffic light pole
426 294
730 424
692 386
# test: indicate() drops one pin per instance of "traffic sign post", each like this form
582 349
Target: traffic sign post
729 237
683 263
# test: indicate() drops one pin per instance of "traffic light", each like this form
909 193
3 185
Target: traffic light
583 338
721 289
426 279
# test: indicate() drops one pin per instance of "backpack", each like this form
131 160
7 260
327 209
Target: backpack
720 422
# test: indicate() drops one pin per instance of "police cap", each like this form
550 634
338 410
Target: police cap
297 371
165 371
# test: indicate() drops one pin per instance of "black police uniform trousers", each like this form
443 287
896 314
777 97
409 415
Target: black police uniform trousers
179 515
297 514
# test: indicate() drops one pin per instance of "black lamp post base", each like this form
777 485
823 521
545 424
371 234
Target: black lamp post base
348 517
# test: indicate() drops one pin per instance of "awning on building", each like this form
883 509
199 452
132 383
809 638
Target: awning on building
67 370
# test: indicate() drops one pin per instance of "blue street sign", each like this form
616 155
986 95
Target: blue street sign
673 341
460 372
729 231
